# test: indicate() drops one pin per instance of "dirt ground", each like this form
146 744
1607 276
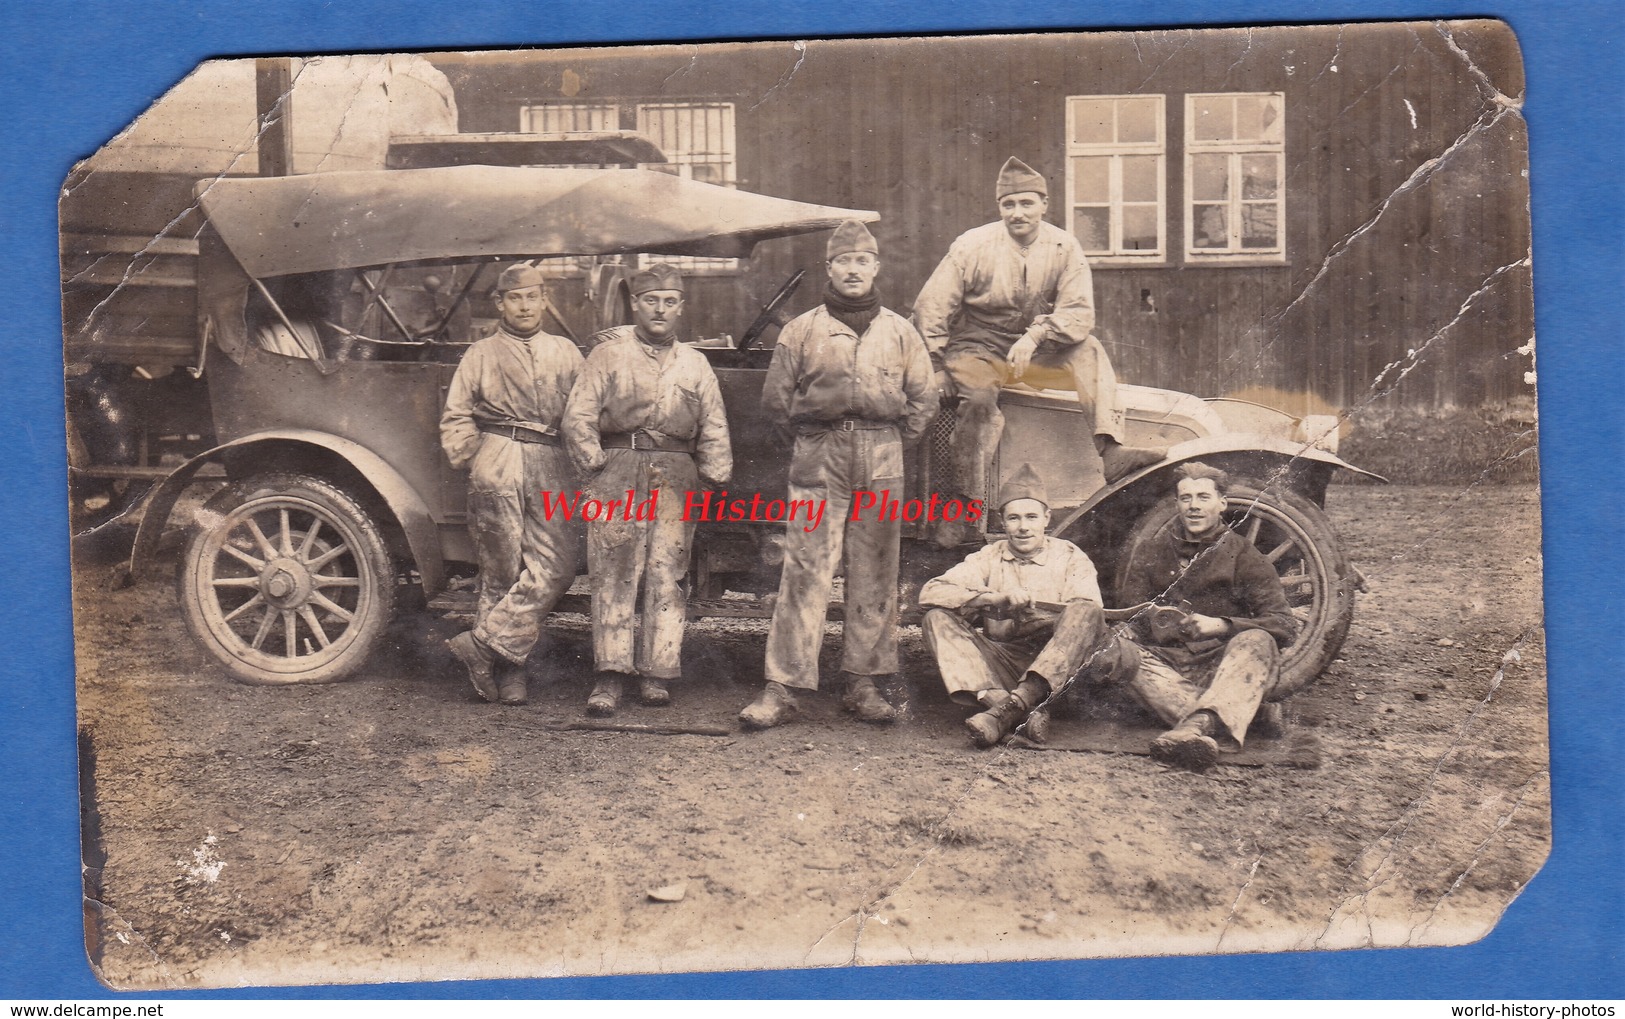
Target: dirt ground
391 827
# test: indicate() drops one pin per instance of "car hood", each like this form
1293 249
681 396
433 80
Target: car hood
277 226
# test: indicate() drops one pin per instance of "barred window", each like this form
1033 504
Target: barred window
559 118
1235 165
1116 186
698 140
556 118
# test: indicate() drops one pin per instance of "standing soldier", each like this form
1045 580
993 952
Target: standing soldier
852 382
646 424
1014 300
502 422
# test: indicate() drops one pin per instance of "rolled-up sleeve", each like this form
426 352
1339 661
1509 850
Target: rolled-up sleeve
959 585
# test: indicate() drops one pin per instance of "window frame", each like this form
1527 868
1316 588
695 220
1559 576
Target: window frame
613 114
683 163
1234 149
528 115
1115 151
568 266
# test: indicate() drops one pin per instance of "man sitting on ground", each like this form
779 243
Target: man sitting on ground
1205 653
1037 603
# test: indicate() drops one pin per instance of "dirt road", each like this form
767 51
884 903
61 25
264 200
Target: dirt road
391 827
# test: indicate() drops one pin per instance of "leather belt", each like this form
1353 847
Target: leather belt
844 425
538 435
646 442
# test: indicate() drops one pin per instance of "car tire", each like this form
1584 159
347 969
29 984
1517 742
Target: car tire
286 579
1307 555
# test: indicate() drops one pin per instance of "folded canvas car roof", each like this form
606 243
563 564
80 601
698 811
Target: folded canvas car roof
311 222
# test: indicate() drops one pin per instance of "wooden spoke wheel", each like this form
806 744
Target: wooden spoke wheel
286 579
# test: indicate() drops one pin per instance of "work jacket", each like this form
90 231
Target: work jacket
986 293
505 380
1225 577
823 373
628 386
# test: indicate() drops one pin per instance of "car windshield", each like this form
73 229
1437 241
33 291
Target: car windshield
395 312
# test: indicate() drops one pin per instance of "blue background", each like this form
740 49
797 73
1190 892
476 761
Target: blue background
73 77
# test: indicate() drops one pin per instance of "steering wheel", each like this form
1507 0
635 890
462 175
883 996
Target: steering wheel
772 312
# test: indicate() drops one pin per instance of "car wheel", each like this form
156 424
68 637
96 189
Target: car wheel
286 579
1299 542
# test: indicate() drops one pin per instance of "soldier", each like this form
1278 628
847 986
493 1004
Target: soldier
1014 300
1037 601
1205 655
646 424
851 382
501 421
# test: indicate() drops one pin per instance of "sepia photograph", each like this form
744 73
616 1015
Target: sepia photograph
806 504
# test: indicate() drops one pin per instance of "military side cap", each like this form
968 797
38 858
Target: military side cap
657 277
851 236
1017 177
1023 484
519 276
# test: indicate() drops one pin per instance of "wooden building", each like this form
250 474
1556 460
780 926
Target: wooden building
1323 216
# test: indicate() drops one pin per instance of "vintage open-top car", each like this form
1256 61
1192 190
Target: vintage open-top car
332 309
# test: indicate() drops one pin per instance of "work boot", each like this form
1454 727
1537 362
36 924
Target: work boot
864 701
1036 728
653 692
1190 744
774 706
1118 461
479 660
1004 711
512 683
605 696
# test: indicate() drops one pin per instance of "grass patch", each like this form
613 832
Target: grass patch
1493 443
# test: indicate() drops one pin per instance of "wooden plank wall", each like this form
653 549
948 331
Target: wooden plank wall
1407 192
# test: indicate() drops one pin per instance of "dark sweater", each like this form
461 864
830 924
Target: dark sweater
1226 577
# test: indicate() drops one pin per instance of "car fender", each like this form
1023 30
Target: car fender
1273 447
422 536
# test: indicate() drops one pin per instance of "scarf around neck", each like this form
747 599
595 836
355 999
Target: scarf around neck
853 312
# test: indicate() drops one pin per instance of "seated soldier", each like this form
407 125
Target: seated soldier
1014 300
1037 602
1205 652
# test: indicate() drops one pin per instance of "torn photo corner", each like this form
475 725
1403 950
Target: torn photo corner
1299 255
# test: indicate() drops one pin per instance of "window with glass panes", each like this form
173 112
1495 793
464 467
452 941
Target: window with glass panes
1115 181
1235 162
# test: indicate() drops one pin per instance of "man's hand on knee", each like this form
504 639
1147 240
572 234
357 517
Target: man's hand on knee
1020 355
